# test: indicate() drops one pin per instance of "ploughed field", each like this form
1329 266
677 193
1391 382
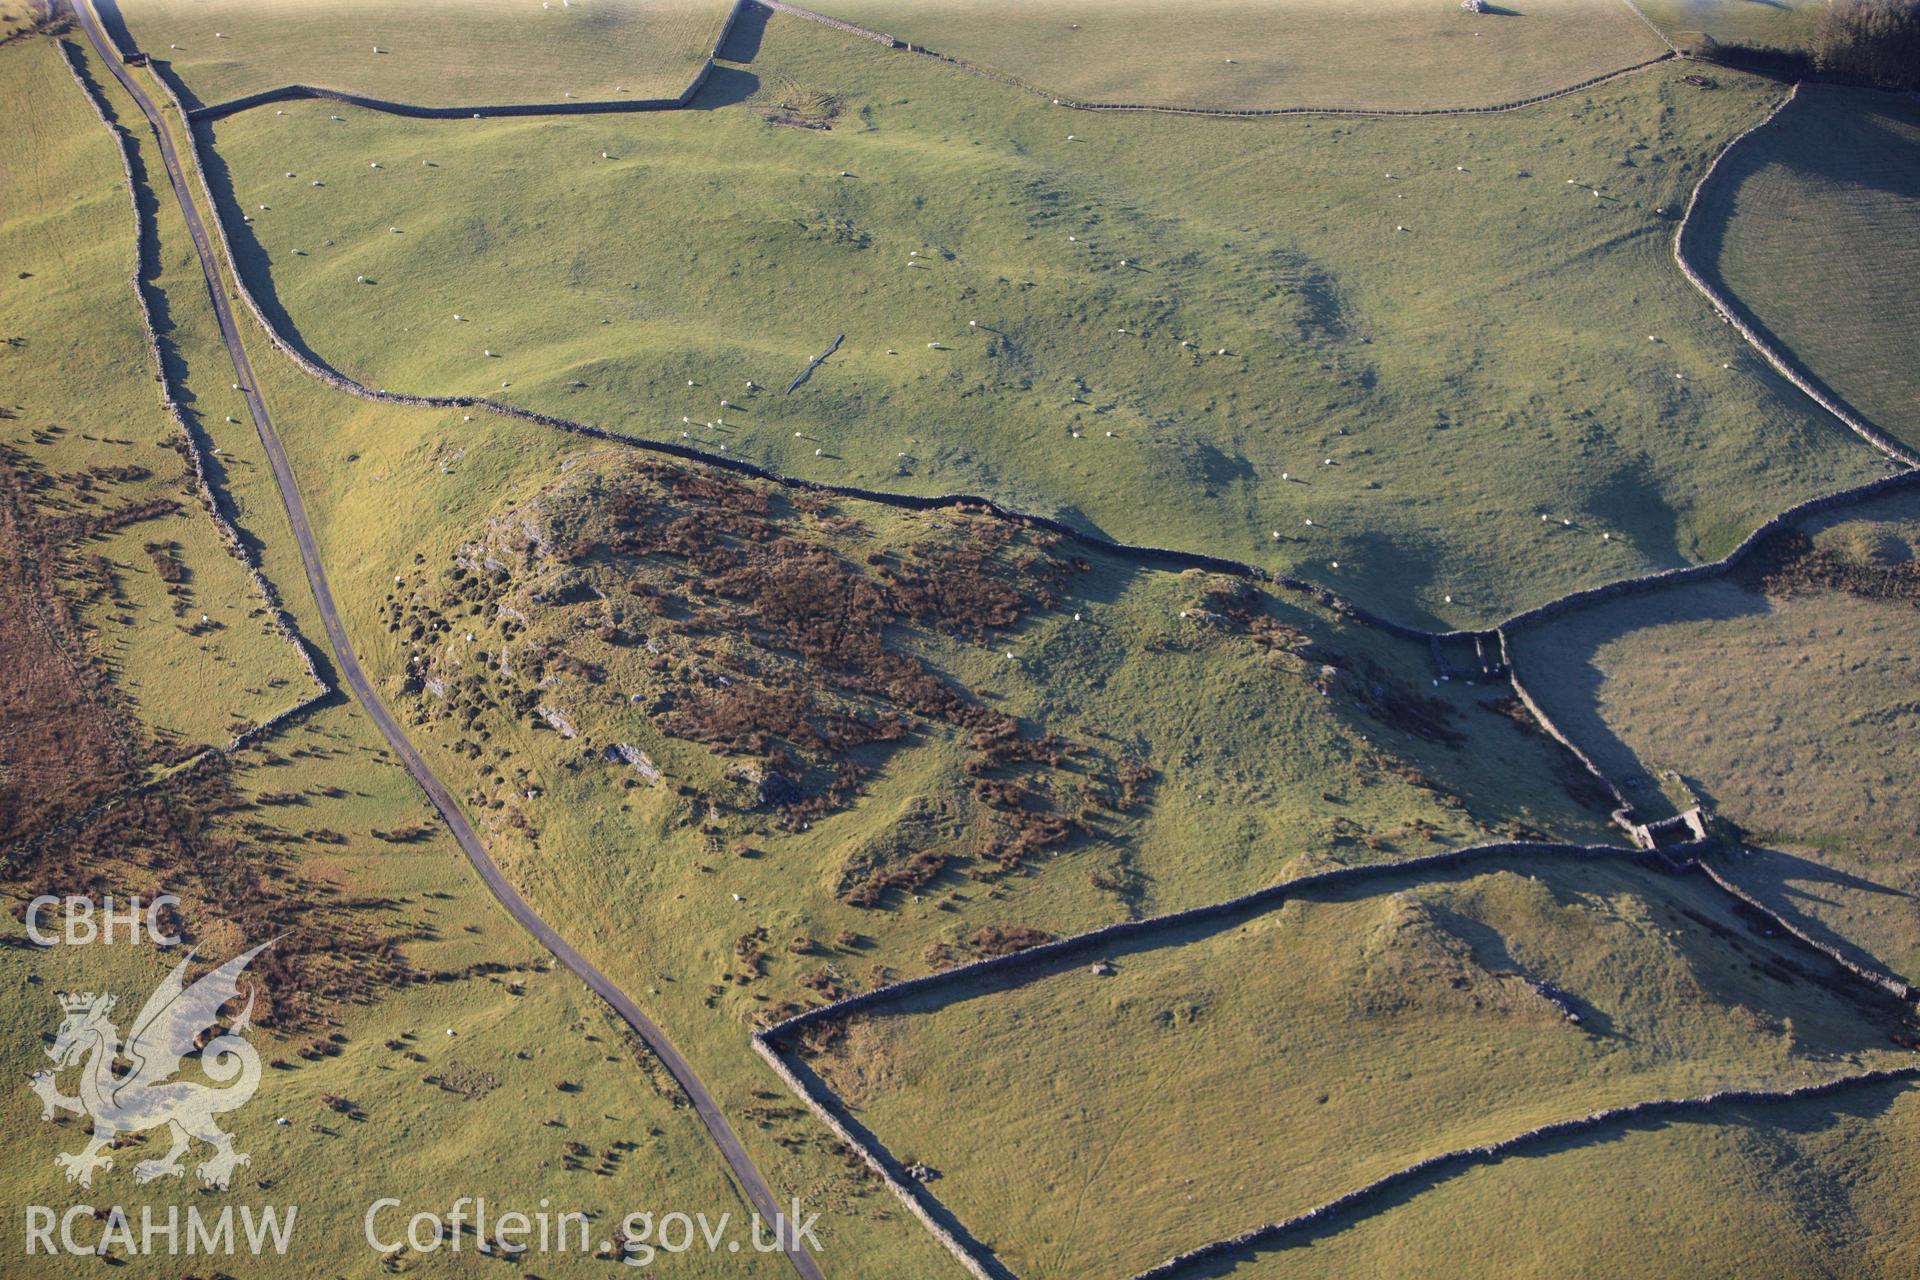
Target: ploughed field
1411 359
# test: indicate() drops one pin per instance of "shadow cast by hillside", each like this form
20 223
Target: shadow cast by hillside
1794 142
1568 684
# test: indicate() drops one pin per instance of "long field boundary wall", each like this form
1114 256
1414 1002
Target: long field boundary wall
1023 966
1051 956
1652 26
146 252
1034 963
1485 1153
1898 988
1159 556
1731 313
1663 578
298 92
1622 807
940 1223
118 32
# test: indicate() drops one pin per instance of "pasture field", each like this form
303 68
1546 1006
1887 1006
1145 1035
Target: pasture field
96 459
1203 1083
435 53
1813 757
750 749
645 875
1251 54
1814 228
357 1000
1771 1192
385 940
1782 24
1470 408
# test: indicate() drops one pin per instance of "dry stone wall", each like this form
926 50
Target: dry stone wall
147 252
1237 113
1731 314
1024 966
1274 1233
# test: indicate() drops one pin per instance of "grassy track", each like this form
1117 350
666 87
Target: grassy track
1237 54
1815 228
1486 368
434 52
1235 1078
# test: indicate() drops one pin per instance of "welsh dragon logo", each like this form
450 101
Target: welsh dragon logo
168 1028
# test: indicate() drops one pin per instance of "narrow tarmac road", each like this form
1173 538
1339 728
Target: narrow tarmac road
349 666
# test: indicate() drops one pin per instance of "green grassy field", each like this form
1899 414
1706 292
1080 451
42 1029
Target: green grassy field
611 262
437 53
387 940
1769 1192
522 1027
1471 408
1781 24
1813 758
1392 54
84 420
1229 728
1219 1081
1814 226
